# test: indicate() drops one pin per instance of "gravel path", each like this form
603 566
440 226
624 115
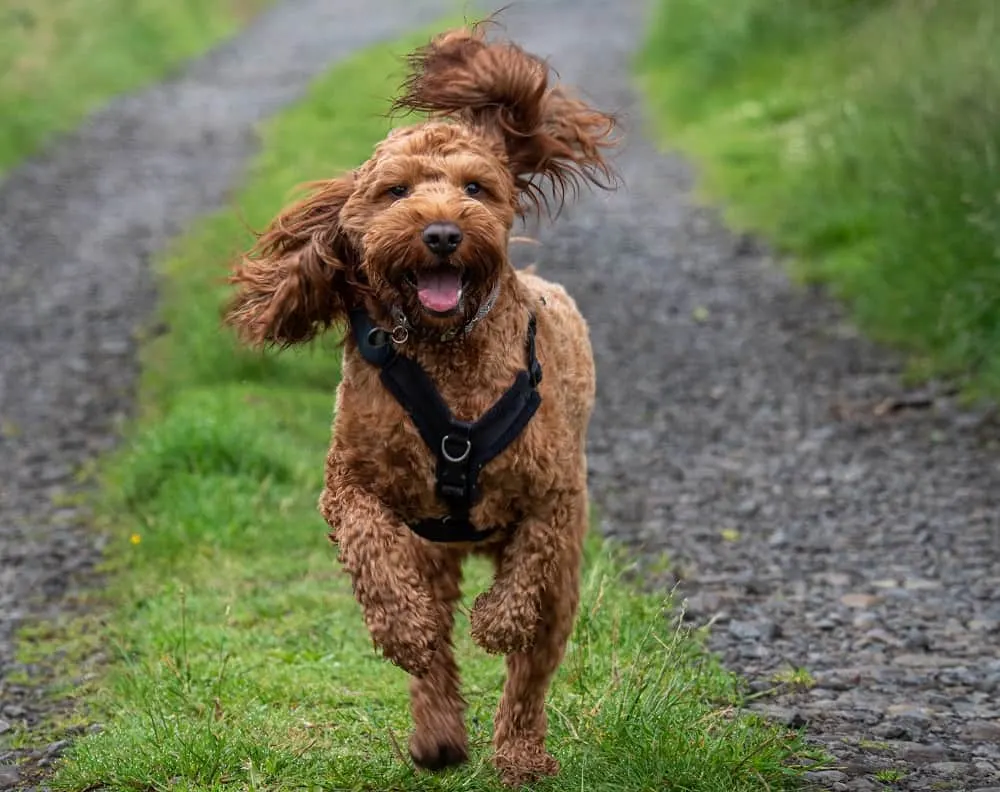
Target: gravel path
816 512
78 225
746 429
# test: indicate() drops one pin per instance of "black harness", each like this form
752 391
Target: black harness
462 448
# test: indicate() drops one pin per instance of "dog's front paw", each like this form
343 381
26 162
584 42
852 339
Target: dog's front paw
504 623
413 656
408 637
431 751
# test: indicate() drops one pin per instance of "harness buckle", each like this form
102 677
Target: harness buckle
460 456
455 492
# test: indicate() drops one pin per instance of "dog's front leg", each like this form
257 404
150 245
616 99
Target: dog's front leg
506 619
388 574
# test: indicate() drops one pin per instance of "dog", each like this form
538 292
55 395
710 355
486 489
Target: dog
467 385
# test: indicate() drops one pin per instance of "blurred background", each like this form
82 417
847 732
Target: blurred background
861 137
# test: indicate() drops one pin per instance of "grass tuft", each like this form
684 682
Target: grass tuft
861 138
241 659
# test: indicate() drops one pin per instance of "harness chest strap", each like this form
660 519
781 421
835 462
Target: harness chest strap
461 448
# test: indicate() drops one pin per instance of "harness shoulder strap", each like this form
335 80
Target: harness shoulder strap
510 414
406 380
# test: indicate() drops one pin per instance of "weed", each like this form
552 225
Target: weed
890 775
794 678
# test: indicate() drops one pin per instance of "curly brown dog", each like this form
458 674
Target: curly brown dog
467 386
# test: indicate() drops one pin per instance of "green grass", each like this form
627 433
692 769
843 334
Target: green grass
890 775
862 138
240 659
61 59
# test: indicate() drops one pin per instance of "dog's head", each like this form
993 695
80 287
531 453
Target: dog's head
423 226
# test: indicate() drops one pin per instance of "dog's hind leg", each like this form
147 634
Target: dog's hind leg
439 738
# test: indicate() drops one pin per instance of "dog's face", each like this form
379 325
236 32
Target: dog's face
429 218
423 225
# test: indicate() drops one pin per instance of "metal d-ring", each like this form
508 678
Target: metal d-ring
400 334
460 457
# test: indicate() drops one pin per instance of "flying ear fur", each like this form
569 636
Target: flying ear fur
505 92
300 276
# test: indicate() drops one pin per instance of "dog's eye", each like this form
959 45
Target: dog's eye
399 191
473 188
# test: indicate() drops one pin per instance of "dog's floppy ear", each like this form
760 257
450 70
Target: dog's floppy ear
505 91
300 276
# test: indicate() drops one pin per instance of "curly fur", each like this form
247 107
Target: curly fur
497 121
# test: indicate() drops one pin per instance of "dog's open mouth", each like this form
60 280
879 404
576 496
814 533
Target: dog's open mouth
440 289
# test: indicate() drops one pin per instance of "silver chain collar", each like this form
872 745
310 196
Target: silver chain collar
402 325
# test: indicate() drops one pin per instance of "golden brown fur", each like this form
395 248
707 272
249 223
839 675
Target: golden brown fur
496 122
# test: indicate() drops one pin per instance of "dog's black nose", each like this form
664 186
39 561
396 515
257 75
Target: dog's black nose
442 239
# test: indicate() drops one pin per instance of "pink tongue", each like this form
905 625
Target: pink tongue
439 290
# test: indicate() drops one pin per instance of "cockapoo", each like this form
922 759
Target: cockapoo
467 385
